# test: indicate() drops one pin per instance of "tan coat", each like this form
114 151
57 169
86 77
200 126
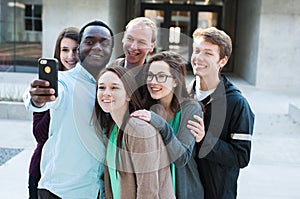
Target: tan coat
145 167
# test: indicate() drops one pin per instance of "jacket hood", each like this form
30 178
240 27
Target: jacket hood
229 87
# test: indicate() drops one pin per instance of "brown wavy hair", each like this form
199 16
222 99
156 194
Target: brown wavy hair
69 32
178 70
103 121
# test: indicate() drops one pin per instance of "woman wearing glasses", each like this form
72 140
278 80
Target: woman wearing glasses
171 109
137 163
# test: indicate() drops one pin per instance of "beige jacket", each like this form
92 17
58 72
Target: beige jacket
145 171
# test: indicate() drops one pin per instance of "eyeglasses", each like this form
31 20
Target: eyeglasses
160 78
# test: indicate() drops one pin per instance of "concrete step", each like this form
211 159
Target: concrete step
294 111
14 111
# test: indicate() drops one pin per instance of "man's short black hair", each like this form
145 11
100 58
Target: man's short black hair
95 23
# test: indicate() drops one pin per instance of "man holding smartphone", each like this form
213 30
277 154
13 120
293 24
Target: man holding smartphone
72 158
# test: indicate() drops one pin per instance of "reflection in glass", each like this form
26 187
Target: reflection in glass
198 2
176 37
207 19
158 17
21 35
181 21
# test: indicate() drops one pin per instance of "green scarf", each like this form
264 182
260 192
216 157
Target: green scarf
111 163
174 123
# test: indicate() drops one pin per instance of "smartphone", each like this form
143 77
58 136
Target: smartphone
48 69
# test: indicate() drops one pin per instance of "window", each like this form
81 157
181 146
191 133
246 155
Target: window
177 21
33 17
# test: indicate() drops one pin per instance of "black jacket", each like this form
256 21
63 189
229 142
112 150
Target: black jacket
225 149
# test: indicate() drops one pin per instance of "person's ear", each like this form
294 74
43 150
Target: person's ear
152 47
223 62
175 83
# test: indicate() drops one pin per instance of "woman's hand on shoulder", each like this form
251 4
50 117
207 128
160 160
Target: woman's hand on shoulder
197 128
142 114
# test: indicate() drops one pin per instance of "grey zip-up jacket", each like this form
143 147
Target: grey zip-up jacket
181 150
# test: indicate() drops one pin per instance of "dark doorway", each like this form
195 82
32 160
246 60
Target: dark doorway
177 21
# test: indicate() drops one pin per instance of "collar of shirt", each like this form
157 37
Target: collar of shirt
84 73
200 94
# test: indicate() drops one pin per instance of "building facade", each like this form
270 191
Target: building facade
264 32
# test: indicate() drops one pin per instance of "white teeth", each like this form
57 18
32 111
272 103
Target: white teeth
97 56
132 53
106 101
155 89
198 65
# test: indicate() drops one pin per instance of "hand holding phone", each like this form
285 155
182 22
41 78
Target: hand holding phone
48 70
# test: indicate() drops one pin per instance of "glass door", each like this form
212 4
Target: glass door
177 22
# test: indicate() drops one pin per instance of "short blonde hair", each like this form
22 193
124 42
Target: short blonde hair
144 21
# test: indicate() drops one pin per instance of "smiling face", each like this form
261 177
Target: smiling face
161 91
95 48
137 44
68 53
111 94
205 59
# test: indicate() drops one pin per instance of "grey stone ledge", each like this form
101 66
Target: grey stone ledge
14 111
294 111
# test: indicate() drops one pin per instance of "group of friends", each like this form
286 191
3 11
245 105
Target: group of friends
131 127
